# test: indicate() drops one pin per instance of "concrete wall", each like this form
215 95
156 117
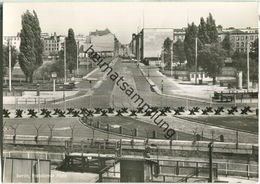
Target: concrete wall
219 147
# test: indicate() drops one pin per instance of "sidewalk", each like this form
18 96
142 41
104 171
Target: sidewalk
70 95
182 89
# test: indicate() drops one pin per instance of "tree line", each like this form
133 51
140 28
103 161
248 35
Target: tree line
31 50
211 52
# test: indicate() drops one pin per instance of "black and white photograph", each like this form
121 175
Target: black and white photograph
134 91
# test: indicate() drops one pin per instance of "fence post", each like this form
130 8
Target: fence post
114 167
120 130
177 168
154 134
135 132
120 152
216 170
226 169
248 175
100 177
197 169
236 139
164 179
108 127
99 149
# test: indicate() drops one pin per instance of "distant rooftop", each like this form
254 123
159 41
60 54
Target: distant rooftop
100 32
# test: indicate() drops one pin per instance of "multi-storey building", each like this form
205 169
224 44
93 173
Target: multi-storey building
13 40
44 35
178 34
239 37
104 42
53 44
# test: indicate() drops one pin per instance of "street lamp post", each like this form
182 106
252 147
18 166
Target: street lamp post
65 77
90 94
148 71
162 91
54 76
196 40
162 61
10 65
210 146
64 97
171 56
78 58
247 59
38 95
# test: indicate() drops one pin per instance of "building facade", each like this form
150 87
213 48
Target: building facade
143 43
14 41
239 37
53 44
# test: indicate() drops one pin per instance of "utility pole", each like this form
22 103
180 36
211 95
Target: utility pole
10 65
196 40
65 77
162 60
210 146
247 59
78 58
171 55
162 91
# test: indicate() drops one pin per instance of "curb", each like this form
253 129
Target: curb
220 126
158 91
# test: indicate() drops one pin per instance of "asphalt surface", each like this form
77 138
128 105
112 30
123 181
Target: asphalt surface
104 93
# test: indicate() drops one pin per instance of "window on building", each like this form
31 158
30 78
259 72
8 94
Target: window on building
237 38
251 37
242 37
246 37
237 44
242 44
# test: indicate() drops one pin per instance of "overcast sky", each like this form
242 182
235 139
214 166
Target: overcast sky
125 18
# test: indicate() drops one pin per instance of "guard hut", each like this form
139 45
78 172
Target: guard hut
136 170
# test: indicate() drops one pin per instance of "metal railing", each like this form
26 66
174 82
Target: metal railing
34 100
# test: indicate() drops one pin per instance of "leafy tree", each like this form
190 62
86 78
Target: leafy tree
254 51
178 51
211 58
58 65
203 32
189 44
14 55
167 51
31 46
254 56
240 63
212 29
227 45
71 51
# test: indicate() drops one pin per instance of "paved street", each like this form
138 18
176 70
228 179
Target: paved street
105 93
